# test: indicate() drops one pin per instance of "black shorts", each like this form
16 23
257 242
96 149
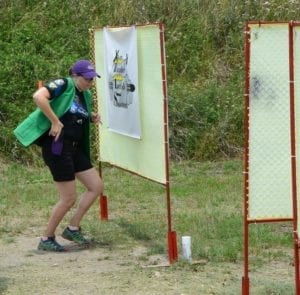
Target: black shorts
64 166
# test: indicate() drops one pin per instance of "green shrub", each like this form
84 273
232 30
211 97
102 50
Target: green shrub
204 52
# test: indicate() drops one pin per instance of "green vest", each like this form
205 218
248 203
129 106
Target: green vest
36 124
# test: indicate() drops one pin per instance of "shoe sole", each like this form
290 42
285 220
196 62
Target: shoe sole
50 250
42 248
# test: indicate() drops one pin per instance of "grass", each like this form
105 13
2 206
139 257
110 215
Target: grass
206 202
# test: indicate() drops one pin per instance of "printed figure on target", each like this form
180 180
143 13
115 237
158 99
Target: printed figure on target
120 86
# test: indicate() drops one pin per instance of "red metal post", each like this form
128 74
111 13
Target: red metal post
172 240
245 279
103 208
172 247
293 155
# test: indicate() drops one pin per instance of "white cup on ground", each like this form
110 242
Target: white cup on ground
186 242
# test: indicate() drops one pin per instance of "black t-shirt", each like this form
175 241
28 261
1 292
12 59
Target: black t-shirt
77 116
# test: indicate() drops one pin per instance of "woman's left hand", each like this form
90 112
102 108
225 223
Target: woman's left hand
95 118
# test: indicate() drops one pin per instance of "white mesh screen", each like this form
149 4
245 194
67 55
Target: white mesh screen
269 123
297 107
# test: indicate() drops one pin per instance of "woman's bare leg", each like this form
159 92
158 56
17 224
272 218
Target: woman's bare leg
93 183
67 192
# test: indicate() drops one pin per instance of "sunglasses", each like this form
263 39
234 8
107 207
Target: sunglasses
87 79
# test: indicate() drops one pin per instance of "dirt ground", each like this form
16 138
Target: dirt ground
105 271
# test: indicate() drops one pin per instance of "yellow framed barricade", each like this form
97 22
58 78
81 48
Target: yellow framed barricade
132 101
272 139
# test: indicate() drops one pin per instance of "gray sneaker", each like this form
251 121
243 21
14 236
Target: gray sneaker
75 236
51 245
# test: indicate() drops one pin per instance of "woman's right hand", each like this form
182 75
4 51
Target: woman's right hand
56 129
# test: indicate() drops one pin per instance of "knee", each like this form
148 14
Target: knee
69 201
98 188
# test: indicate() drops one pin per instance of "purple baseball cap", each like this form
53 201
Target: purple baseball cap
85 69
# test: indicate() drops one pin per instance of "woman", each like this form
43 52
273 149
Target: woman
60 125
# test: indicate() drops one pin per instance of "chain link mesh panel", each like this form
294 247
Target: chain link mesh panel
269 123
95 145
296 36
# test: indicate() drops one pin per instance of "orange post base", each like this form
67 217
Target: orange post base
245 286
172 247
103 208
